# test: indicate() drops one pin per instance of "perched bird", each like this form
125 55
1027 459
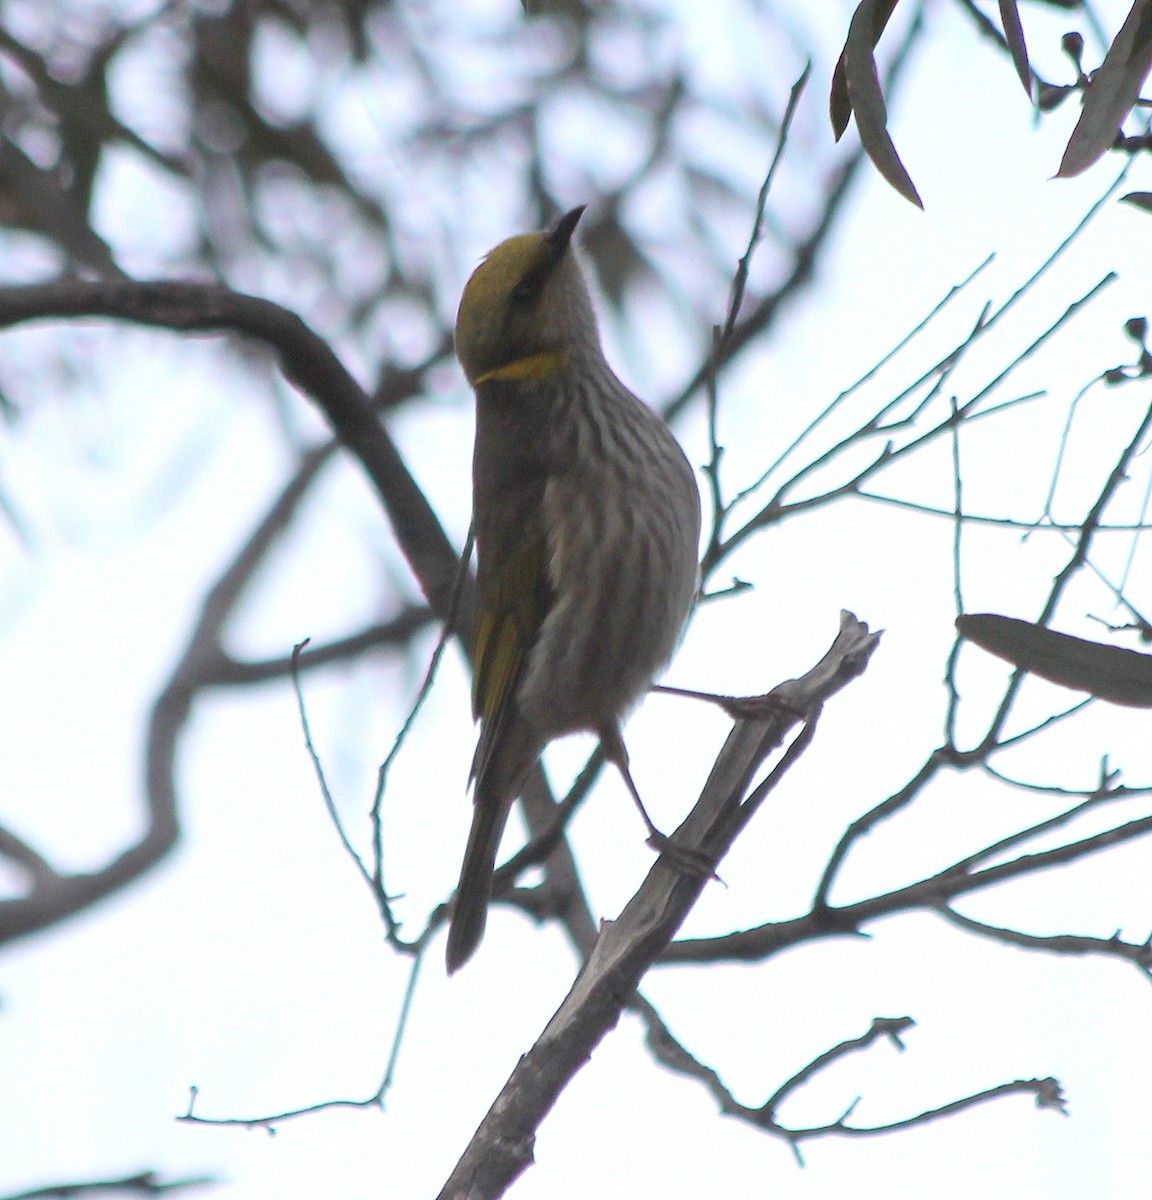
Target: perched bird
587 521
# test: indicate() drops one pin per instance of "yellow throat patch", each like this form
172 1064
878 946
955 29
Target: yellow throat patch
545 365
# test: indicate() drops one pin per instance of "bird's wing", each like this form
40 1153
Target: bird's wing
514 596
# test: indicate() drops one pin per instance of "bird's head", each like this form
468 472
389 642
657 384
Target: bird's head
526 308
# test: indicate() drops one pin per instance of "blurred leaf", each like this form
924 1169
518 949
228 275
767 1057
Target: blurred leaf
1138 200
867 99
1014 35
1114 89
839 101
1108 672
1072 44
1050 96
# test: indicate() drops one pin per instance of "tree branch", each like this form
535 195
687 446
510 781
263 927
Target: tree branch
307 361
501 1148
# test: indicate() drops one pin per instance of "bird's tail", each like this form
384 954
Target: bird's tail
470 908
498 783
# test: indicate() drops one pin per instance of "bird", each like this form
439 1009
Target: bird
586 517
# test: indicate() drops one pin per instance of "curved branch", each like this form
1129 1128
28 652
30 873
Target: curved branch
307 361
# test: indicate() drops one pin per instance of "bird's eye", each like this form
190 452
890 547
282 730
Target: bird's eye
524 293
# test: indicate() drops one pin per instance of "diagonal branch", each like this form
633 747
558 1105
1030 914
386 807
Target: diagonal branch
501 1148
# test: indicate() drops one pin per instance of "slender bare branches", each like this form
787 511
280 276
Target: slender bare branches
766 1117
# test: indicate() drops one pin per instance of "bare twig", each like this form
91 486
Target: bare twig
269 1121
1137 953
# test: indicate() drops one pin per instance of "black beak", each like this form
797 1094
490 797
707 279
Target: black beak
561 233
